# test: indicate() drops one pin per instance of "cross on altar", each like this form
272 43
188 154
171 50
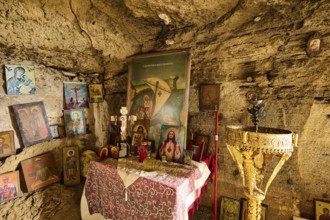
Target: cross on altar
124 118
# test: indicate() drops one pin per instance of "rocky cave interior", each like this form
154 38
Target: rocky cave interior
244 45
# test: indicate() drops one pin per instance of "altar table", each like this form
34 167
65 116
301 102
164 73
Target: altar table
122 190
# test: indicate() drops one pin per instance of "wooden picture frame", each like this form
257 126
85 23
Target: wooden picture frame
171 134
158 89
74 121
206 139
7 146
75 95
95 93
314 45
54 131
321 209
9 186
197 147
209 97
243 214
32 122
20 80
40 171
71 166
229 209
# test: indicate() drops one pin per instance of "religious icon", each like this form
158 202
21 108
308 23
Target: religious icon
71 167
209 96
229 208
158 89
95 93
20 80
171 143
321 209
314 45
103 153
32 122
76 95
40 171
9 185
74 122
7 146
86 157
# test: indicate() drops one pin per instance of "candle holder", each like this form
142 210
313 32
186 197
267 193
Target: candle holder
249 148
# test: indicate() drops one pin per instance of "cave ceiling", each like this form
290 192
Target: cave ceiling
90 36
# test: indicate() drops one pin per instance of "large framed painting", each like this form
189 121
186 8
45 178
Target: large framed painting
71 166
40 171
171 143
158 89
7 146
244 210
229 209
95 93
75 95
74 122
20 80
9 186
32 122
321 209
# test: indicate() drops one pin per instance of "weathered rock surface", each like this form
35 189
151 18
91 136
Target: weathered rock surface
244 45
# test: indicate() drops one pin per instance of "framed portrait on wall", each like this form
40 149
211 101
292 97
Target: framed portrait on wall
71 166
74 121
32 122
9 186
7 146
75 95
229 209
158 89
209 97
171 143
95 93
40 171
20 80
321 209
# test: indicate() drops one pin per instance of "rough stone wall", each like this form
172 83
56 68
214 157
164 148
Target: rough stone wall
260 40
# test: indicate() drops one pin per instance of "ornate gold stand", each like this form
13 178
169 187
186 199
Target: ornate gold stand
250 150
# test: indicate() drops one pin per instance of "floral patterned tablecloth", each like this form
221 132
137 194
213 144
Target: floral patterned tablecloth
122 190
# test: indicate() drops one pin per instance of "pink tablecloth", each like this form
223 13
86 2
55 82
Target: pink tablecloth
163 194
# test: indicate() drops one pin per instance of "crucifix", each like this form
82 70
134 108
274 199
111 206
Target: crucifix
123 119
75 89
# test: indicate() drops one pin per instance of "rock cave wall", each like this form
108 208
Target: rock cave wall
242 45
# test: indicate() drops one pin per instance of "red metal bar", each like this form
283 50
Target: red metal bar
215 167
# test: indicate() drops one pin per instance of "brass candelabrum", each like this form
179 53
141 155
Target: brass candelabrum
251 148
